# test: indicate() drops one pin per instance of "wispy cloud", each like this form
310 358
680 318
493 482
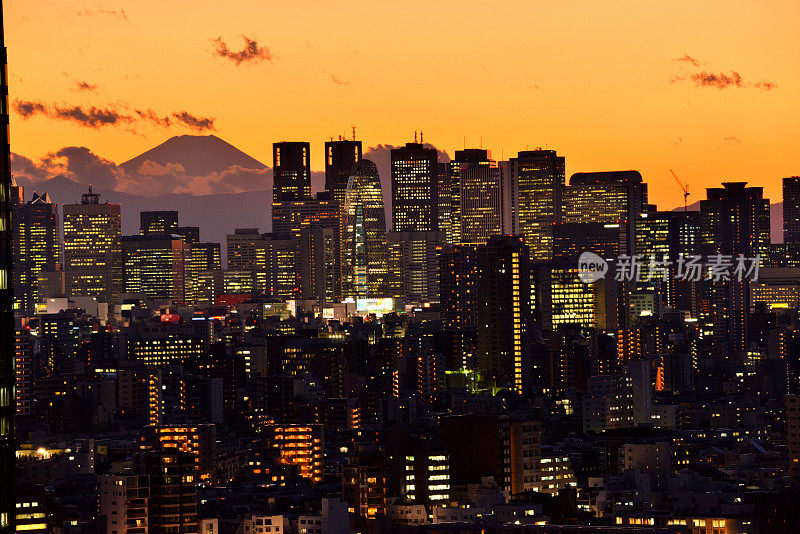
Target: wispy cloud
120 13
732 139
339 81
251 53
719 80
686 58
152 116
86 86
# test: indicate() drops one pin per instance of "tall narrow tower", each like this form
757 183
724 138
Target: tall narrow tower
6 309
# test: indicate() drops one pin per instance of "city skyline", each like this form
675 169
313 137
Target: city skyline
338 335
610 88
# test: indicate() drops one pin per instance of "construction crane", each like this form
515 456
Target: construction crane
684 188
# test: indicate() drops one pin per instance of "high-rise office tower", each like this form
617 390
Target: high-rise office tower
503 311
156 265
791 209
415 189
92 248
241 247
364 246
670 233
445 202
534 181
617 197
340 156
158 222
480 209
291 171
734 220
292 216
305 221
7 454
276 267
38 247
458 279
318 263
414 265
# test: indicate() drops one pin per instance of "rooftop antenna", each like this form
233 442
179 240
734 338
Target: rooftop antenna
420 137
415 136
354 133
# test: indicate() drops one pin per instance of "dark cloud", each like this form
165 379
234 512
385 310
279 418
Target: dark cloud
720 81
86 86
96 117
337 81
120 13
251 53
22 166
91 117
195 123
686 58
80 164
27 109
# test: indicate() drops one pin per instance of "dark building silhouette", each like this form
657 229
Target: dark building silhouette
734 220
340 156
791 209
291 171
7 337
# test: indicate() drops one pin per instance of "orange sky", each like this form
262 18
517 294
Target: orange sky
590 79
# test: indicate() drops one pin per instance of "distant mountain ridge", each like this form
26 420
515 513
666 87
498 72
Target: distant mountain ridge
198 154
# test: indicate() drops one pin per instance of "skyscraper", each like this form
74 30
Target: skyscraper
156 265
414 265
415 189
616 197
38 247
480 209
7 337
734 219
92 248
158 222
340 156
364 245
503 311
291 178
535 182
791 209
